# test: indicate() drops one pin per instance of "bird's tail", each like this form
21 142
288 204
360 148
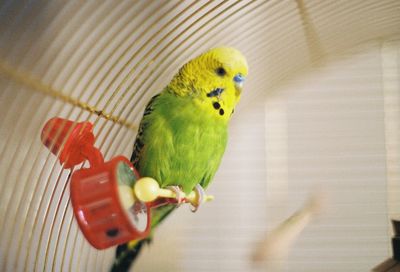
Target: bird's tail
126 255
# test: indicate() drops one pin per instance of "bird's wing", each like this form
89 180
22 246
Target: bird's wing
139 142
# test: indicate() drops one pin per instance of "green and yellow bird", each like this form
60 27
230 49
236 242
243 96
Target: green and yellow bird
184 130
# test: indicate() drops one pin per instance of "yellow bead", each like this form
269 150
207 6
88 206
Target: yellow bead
146 189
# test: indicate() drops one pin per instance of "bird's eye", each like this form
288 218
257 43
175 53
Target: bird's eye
220 71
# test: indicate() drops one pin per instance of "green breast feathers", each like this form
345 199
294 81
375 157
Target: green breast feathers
178 143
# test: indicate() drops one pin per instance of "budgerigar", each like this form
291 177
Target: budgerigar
184 130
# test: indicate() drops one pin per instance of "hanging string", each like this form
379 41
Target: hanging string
37 85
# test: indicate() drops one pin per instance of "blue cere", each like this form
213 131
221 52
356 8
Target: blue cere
239 78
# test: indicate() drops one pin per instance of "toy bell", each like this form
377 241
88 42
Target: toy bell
101 203
101 195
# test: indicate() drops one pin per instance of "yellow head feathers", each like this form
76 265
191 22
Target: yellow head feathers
214 80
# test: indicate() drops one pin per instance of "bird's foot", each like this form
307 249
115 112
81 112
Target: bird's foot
199 199
179 194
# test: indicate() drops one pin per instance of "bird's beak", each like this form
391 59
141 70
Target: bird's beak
239 85
239 80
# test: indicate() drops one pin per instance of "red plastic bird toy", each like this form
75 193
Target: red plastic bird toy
110 201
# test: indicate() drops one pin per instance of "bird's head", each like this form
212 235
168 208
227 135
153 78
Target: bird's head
214 80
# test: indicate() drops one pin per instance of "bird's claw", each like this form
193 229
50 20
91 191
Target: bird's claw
200 194
178 194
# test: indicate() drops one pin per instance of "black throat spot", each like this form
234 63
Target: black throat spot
216 105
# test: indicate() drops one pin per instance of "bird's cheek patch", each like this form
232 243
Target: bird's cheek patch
215 92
